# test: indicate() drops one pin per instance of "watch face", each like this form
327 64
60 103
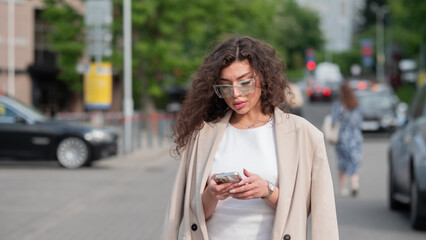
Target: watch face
271 187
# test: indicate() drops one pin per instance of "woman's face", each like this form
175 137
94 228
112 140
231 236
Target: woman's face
235 73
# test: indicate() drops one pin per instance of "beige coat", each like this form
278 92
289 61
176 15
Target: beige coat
304 181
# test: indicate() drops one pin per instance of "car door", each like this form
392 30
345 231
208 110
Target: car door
19 138
408 137
9 140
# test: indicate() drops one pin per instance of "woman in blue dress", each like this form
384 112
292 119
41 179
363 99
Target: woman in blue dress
349 144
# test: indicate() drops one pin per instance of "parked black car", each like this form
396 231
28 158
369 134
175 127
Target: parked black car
26 134
407 162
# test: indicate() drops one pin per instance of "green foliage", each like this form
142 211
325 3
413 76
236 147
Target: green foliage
410 14
406 92
66 39
295 75
346 59
368 13
404 24
408 25
170 38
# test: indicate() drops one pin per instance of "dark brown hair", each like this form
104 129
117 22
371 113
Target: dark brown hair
201 103
347 96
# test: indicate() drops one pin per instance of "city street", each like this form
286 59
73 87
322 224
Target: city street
96 84
126 197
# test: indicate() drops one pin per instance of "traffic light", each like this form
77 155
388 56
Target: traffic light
310 59
311 65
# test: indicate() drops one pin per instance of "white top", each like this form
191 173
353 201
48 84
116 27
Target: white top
254 150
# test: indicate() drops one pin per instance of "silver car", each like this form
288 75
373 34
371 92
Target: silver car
378 109
407 163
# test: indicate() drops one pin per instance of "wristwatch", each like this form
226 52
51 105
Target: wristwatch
271 190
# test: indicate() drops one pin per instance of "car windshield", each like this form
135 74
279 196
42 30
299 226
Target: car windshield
33 113
375 100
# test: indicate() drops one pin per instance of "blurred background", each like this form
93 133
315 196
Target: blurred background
83 80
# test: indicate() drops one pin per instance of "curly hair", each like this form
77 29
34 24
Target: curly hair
347 96
201 103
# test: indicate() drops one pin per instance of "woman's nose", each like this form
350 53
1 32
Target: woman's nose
236 92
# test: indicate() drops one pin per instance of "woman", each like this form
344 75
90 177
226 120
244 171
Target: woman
349 143
230 123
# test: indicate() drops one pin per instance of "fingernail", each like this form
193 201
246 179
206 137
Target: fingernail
232 191
240 183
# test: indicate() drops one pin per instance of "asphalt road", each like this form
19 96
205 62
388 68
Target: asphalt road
366 216
126 197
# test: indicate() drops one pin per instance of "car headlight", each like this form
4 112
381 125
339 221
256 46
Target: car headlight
98 136
387 121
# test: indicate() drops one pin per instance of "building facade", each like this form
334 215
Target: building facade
338 20
35 74
24 34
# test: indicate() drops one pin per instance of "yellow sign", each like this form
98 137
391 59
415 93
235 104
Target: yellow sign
422 78
2 110
98 86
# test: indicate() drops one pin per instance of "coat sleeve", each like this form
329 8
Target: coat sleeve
323 208
174 213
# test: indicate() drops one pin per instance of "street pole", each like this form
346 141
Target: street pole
380 12
380 68
11 48
128 100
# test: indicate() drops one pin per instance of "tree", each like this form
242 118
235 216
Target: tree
408 24
297 29
369 16
66 40
170 38
404 20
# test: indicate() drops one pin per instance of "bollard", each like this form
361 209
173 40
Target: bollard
160 131
149 131
132 146
139 131
123 141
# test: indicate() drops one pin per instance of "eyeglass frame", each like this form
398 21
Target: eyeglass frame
216 90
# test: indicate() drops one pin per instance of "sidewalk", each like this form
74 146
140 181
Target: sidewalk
148 154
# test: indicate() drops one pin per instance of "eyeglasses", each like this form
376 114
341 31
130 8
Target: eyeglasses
244 87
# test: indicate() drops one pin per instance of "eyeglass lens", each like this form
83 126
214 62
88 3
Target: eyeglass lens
243 87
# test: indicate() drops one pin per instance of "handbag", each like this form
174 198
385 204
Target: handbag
331 132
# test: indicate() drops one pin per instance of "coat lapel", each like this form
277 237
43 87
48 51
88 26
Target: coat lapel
286 135
207 146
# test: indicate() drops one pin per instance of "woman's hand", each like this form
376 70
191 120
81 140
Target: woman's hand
213 193
219 191
250 188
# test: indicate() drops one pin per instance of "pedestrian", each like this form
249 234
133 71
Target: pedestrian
230 122
349 143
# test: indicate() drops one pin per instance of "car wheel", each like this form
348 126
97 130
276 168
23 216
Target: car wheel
72 152
393 203
418 218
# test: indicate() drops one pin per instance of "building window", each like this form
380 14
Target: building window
43 55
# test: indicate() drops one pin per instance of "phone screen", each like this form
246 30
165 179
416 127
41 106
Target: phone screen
231 177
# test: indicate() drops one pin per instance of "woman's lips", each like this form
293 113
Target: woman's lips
239 104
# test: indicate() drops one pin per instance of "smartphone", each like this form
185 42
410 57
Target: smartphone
231 177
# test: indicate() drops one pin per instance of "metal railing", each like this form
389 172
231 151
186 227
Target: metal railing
148 131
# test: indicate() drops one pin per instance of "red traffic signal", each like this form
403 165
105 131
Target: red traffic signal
311 65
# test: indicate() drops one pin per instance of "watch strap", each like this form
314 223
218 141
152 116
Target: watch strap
271 190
